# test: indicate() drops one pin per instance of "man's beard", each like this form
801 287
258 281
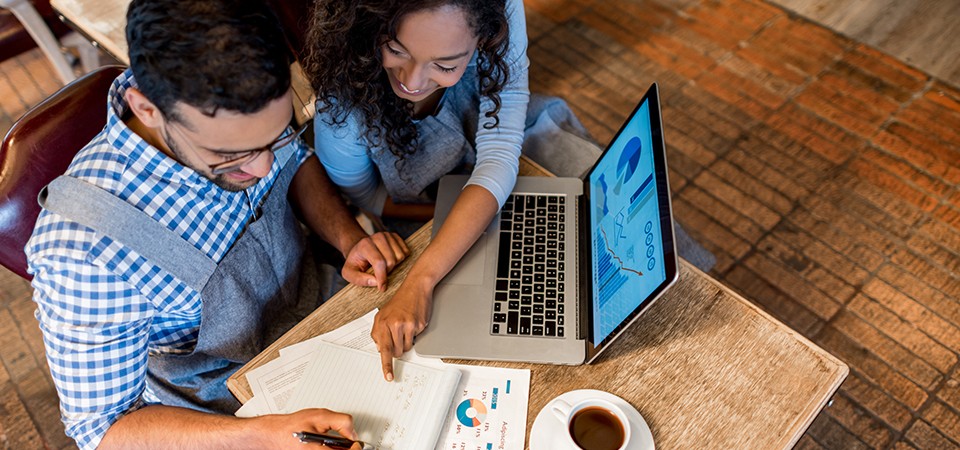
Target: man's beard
219 180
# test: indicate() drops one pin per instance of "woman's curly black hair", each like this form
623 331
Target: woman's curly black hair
344 63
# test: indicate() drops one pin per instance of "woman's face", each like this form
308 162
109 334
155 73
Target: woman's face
431 51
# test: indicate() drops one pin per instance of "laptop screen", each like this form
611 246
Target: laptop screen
629 205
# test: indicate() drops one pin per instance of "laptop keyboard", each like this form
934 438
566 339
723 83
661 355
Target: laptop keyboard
530 286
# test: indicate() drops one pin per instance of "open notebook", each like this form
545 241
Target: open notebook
407 413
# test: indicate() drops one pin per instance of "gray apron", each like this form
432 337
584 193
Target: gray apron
553 137
249 299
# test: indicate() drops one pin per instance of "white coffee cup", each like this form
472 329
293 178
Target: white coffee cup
594 423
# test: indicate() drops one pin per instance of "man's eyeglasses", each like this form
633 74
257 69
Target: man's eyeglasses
240 159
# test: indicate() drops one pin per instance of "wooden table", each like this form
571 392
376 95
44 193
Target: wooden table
104 23
705 367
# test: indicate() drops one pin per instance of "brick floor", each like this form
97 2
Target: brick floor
821 172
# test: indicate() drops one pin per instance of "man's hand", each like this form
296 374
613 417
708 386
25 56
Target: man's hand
149 427
399 321
382 251
278 429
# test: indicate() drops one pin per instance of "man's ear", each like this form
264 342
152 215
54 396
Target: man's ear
143 108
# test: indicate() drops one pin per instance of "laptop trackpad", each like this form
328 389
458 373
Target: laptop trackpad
470 269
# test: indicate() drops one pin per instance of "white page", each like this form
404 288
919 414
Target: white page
252 408
406 414
275 382
489 410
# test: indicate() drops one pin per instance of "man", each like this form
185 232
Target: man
169 253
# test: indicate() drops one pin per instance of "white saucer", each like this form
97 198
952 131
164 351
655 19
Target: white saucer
546 430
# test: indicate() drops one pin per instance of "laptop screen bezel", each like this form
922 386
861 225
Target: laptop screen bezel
666 226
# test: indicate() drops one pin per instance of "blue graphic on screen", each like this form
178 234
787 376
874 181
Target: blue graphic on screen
628 260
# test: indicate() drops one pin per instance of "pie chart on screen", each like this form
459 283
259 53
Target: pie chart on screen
629 159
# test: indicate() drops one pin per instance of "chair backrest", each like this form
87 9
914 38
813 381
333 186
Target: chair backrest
38 148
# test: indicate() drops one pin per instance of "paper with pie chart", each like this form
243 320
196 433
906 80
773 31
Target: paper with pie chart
489 411
625 220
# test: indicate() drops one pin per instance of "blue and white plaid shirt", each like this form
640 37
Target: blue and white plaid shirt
102 308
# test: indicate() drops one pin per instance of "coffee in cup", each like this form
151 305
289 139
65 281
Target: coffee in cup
593 424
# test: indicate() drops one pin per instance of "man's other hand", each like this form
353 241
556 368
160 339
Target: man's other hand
381 251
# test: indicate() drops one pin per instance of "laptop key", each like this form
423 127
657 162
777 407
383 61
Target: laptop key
500 317
559 331
549 328
500 296
513 320
526 311
496 328
514 305
525 300
525 325
497 306
537 330
551 315
560 320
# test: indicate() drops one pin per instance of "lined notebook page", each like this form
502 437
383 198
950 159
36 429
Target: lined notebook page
407 413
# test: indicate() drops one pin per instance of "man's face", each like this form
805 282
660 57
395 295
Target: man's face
204 143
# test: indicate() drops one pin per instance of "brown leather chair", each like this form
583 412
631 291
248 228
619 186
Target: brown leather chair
38 148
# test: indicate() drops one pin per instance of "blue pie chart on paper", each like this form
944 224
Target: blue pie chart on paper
629 159
471 412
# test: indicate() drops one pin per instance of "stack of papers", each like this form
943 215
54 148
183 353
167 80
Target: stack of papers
429 405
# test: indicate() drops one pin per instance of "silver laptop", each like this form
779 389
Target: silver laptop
568 264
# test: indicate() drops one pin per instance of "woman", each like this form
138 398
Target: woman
408 91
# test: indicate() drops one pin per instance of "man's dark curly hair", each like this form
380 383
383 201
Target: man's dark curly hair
344 62
210 54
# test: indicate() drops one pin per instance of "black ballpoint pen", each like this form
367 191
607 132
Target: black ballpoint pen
337 442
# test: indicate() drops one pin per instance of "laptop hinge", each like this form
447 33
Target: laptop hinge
584 268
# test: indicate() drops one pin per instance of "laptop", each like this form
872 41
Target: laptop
568 264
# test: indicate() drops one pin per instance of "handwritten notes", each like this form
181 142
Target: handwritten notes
407 413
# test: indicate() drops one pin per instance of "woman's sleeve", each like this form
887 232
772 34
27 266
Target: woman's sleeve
498 149
345 158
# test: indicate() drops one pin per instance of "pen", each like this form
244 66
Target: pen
337 442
